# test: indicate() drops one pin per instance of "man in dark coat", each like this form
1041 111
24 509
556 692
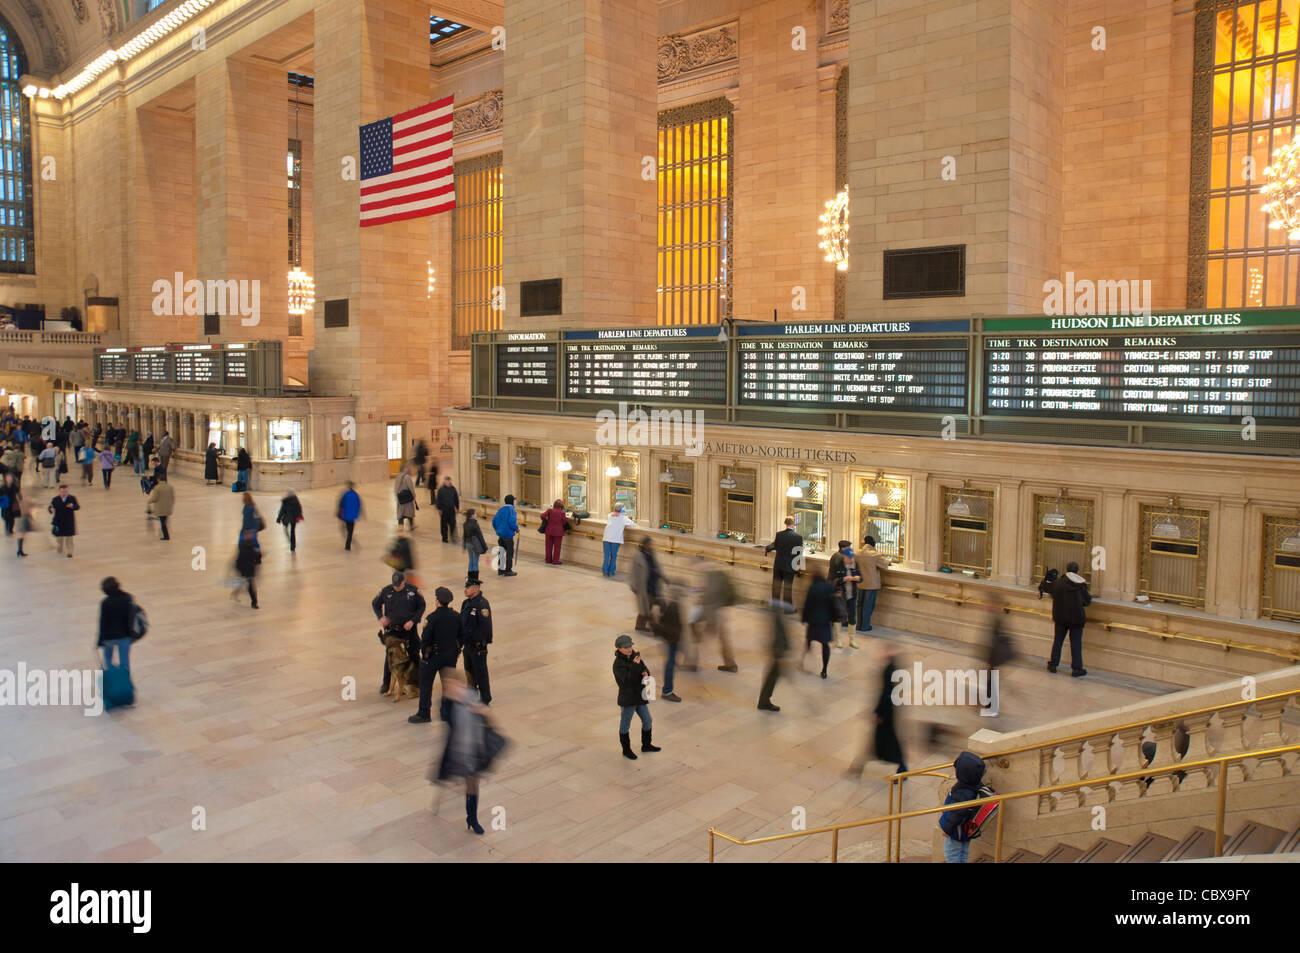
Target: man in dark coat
399 607
1069 597
476 636
289 516
448 503
439 650
789 550
64 521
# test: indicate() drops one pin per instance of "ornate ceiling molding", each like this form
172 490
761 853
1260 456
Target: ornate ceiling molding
54 44
108 17
479 115
681 53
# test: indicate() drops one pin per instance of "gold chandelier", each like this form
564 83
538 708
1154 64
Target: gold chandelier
1281 189
302 291
833 234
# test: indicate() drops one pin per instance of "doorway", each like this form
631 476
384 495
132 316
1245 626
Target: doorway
396 441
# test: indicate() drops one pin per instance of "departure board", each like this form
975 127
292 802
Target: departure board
236 367
1151 376
114 366
198 366
848 367
686 365
150 365
527 370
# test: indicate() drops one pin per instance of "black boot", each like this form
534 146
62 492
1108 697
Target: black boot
627 746
471 813
645 742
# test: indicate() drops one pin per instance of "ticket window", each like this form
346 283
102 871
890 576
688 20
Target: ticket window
395 440
1062 535
1280 581
805 503
216 433
1174 555
882 515
489 471
678 497
968 530
284 440
624 484
738 491
574 480
530 476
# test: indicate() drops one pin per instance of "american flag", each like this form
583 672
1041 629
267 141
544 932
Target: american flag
406 166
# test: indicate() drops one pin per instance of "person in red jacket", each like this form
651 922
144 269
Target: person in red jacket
555 524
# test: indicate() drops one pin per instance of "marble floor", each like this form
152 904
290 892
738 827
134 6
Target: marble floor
241 719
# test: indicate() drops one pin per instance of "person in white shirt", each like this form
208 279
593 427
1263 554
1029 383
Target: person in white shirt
618 522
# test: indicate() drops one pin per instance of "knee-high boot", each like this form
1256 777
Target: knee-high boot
626 739
471 813
645 741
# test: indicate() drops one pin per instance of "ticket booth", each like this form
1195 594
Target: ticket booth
882 507
1174 555
624 474
805 498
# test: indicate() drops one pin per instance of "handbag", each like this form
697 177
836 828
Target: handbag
493 743
650 689
261 523
405 496
841 608
479 545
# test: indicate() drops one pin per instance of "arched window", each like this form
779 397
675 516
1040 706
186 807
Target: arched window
17 234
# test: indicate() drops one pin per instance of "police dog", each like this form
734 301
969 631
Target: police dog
404 670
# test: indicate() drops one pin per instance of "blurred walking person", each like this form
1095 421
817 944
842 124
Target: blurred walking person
818 616
670 627
778 647
289 517
118 628
10 498
247 559
884 744
716 592
25 524
646 581
349 511
404 494
106 465
472 744
162 501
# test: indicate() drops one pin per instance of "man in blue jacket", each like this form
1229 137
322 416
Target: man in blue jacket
349 512
507 528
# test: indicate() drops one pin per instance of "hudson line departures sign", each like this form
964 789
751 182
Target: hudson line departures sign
1166 367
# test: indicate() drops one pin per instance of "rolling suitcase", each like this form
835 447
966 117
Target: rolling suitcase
118 690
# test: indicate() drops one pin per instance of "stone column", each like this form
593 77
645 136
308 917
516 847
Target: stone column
372 61
581 88
242 203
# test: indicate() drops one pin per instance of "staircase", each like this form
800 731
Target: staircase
1152 848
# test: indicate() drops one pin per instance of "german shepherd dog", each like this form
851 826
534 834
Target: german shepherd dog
404 670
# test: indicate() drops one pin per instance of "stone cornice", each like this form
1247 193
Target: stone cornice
682 53
478 116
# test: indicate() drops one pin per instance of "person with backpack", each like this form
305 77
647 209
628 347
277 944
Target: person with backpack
634 690
121 622
349 512
960 825
289 517
475 544
1069 598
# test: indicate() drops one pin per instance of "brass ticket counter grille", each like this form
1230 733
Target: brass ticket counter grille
805 502
624 473
1280 598
739 486
529 462
1063 529
573 470
1174 554
488 457
677 486
882 514
968 529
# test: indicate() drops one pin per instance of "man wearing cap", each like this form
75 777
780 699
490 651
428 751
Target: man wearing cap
630 674
439 650
398 607
475 637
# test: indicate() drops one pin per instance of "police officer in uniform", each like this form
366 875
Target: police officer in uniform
476 636
439 649
398 607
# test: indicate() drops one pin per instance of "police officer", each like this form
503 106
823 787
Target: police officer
476 636
439 649
398 607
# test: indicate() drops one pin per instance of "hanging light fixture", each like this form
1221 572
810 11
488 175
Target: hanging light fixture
728 482
302 290
795 490
432 281
1281 189
869 497
480 453
614 471
959 507
1056 518
833 233
520 459
564 466
1167 528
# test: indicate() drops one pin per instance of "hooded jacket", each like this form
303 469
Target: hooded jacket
969 768
1069 596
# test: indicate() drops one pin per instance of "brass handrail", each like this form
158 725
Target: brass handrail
934 770
834 829
1226 644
